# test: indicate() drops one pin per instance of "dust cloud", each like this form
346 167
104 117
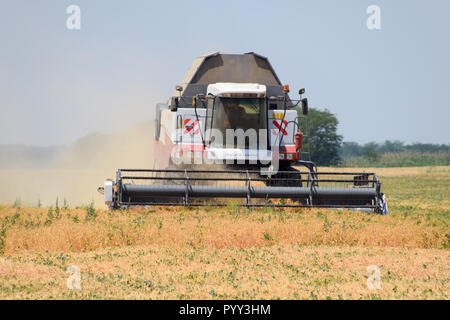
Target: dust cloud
78 170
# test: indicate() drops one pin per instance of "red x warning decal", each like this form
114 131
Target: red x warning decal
190 125
279 127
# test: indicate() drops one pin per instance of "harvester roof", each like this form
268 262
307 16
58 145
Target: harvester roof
218 67
230 68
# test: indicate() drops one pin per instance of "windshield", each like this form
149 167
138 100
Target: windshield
239 113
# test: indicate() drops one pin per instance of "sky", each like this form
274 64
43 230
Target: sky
57 84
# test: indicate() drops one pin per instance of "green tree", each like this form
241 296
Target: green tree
323 142
351 149
370 151
391 146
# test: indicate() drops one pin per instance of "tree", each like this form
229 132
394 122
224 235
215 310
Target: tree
323 142
391 146
370 151
351 149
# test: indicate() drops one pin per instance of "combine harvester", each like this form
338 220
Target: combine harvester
231 131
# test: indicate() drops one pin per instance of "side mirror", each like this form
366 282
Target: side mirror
305 106
301 91
174 104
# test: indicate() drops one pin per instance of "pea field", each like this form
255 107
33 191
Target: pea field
233 252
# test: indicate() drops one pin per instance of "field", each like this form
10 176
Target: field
235 253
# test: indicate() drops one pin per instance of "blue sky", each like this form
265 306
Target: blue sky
57 85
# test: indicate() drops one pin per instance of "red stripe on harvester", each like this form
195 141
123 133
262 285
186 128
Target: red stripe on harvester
276 124
188 129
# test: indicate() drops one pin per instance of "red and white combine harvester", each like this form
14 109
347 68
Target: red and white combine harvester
232 131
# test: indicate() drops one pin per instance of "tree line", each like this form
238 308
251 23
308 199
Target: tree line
326 147
373 149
